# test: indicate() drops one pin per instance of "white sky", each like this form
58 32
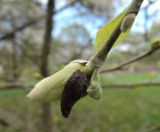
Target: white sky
43 1
68 13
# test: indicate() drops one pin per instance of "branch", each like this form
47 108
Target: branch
33 22
130 86
99 58
68 5
15 86
20 28
132 60
4 122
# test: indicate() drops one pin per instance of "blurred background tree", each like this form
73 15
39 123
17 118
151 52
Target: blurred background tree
75 23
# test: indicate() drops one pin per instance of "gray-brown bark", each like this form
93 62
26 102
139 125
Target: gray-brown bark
47 121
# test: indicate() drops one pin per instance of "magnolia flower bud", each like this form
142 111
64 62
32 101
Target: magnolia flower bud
50 88
127 22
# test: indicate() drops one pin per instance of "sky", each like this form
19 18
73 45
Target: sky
65 18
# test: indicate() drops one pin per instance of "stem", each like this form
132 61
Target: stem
99 58
131 86
132 60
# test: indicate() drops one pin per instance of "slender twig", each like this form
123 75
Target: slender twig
17 85
99 58
67 5
4 122
135 85
13 86
20 28
132 60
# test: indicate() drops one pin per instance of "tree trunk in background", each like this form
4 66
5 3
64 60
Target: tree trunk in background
47 39
14 61
47 121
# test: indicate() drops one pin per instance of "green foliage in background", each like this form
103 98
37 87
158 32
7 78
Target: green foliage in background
122 110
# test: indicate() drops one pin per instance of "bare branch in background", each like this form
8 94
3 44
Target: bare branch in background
4 123
33 22
130 86
27 24
132 60
13 86
67 5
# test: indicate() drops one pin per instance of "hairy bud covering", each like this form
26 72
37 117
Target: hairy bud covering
74 89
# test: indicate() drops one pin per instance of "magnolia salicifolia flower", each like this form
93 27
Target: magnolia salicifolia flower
50 88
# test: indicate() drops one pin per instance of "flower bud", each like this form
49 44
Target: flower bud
50 88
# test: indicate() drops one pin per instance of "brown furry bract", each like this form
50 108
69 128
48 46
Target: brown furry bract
74 89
